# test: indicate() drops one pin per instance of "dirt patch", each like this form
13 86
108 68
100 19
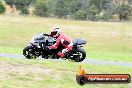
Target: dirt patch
10 70
20 69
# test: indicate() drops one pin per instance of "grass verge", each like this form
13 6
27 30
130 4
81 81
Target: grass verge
24 73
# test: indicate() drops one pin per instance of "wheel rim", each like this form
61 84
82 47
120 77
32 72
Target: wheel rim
80 56
29 53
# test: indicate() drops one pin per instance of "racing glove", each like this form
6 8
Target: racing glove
47 48
46 34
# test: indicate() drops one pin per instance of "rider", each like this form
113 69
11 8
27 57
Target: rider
62 39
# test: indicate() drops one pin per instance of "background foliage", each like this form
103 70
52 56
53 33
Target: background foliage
2 7
76 9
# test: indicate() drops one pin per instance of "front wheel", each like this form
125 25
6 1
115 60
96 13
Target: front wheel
30 52
79 55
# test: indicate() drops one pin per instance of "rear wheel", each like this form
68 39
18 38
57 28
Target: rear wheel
79 55
30 52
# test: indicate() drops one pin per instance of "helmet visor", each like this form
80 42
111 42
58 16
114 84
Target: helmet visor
54 33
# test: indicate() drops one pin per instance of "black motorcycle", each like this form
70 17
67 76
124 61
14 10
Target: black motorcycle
39 44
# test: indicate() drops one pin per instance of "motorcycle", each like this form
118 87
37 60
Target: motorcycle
39 44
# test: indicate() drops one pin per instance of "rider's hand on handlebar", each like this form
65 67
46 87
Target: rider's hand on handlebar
46 34
47 48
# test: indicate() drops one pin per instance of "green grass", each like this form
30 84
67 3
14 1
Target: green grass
15 50
49 74
106 40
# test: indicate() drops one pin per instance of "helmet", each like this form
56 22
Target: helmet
55 32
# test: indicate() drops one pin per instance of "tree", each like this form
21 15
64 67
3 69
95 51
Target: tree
74 6
100 4
130 2
106 16
9 2
61 8
123 10
92 12
80 15
2 8
41 8
21 5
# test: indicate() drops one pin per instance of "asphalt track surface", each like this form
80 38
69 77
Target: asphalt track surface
86 61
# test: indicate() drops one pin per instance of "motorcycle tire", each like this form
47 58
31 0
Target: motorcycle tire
82 56
29 53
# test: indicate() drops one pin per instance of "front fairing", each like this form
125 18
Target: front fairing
37 39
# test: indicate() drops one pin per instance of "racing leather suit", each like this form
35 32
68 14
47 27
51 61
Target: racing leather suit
65 41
